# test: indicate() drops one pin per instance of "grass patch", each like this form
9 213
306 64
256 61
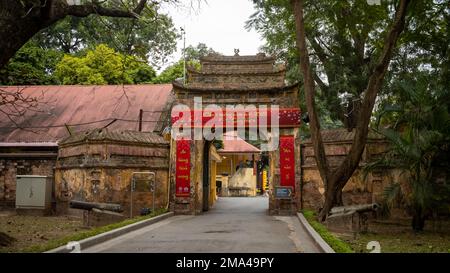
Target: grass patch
51 244
401 238
335 243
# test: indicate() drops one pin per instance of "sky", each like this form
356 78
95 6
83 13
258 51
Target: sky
220 24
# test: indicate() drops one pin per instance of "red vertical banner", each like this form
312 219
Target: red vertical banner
183 171
287 161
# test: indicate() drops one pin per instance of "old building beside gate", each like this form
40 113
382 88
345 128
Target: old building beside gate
98 166
88 140
236 80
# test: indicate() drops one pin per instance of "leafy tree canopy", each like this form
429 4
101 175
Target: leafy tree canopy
192 55
103 65
345 40
152 37
32 65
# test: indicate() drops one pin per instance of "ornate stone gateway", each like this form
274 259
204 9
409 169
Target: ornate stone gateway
244 93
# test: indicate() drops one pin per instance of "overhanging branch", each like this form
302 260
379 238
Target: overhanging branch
95 8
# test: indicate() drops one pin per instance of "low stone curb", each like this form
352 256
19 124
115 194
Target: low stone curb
102 237
318 240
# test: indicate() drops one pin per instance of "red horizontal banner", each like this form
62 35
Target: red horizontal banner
183 165
288 117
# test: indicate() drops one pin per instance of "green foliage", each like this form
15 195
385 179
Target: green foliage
196 52
335 243
338 32
192 55
345 40
218 144
419 138
32 65
103 66
151 37
174 72
392 194
86 234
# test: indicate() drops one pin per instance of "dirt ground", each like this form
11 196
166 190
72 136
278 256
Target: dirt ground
31 230
398 236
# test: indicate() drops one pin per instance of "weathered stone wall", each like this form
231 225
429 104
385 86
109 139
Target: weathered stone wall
108 185
241 66
361 188
242 183
102 172
10 167
243 81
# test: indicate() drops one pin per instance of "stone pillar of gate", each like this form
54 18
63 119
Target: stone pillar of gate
283 205
191 203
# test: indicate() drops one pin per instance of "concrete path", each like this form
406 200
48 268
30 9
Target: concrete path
235 224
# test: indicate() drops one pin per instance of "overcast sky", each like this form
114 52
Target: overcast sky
220 24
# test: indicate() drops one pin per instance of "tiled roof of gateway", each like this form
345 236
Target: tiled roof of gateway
237 145
261 57
117 136
236 73
83 108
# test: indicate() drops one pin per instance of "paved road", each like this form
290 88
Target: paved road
235 224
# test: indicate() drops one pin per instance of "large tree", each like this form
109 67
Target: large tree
21 20
103 65
345 40
151 38
335 179
31 65
192 55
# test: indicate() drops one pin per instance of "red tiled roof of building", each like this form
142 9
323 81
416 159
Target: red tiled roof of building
84 108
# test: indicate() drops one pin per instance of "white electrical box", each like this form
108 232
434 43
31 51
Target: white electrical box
33 192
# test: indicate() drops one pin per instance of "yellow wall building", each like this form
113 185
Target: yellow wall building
238 166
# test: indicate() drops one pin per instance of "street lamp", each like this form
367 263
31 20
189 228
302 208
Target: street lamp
183 33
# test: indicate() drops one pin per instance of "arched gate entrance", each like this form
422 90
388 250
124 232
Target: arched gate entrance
247 94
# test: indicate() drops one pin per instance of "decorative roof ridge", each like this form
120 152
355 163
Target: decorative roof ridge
254 72
269 88
260 57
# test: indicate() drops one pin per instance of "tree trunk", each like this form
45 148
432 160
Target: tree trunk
335 180
338 198
17 27
418 221
21 20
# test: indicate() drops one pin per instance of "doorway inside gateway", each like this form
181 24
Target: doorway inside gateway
233 167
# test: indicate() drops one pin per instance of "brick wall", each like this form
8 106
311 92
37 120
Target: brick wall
10 167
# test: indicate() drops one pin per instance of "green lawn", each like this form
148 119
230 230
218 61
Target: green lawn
393 236
398 237
54 231
335 243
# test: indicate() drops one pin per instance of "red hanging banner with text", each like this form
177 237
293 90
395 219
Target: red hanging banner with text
183 166
287 161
